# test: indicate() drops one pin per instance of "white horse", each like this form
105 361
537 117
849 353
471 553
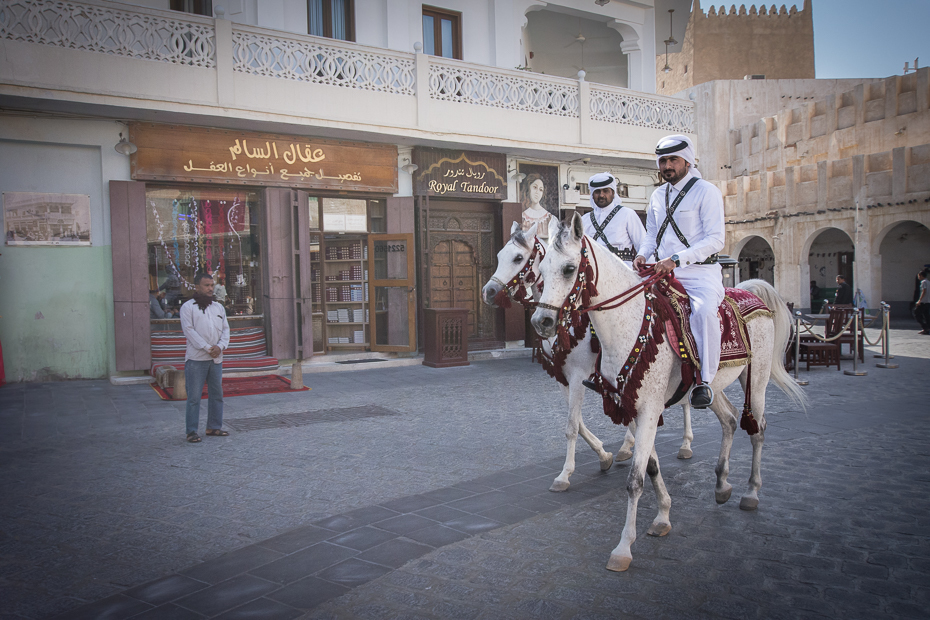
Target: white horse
578 364
619 330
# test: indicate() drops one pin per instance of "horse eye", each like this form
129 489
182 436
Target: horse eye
518 258
568 270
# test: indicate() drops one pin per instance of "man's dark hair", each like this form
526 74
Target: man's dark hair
843 278
926 273
201 276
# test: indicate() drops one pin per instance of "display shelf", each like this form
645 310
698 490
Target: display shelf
344 278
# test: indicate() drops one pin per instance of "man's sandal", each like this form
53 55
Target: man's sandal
193 438
216 432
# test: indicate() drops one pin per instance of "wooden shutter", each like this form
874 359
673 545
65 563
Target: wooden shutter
129 247
288 312
515 315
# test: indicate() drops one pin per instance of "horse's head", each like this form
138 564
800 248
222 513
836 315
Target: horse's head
510 261
558 270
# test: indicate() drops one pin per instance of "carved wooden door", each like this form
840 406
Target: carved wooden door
454 278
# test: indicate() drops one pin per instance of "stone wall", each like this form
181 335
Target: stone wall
776 43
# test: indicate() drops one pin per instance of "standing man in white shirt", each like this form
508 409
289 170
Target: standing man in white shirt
204 323
684 232
614 226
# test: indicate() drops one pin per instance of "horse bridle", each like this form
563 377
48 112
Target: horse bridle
522 276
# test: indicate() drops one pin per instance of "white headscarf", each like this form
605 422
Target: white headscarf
600 181
678 145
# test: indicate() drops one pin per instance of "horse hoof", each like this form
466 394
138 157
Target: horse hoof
723 496
607 463
685 453
624 454
748 503
659 529
558 486
618 563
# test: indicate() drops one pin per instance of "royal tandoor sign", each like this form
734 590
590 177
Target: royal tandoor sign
195 154
460 174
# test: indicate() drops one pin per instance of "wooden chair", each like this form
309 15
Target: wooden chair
839 316
820 354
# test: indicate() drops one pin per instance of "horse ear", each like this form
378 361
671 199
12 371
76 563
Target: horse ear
553 227
529 234
514 228
577 227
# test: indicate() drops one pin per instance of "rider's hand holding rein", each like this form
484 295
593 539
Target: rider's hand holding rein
665 266
660 268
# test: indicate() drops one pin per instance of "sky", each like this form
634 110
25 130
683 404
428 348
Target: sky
866 38
852 38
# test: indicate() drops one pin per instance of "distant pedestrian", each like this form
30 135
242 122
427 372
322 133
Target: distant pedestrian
207 332
922 306
844 294
815 295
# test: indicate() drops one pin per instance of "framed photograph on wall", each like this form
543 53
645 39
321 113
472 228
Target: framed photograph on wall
539 193
46 219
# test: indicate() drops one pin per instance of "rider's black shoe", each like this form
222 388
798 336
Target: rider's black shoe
702 397
591 385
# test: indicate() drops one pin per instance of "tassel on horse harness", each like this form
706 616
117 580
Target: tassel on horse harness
515 289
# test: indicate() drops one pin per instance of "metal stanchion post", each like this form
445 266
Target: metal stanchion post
886 337
886 307
855 372
797 348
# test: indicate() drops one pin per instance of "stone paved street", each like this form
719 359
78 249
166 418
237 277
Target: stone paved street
412 492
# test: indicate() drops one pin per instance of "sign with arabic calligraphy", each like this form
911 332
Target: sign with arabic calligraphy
202 155
459 174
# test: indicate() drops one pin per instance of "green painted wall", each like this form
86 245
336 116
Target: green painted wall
55 312
56 303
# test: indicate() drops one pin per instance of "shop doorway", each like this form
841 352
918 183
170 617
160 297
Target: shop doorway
461 240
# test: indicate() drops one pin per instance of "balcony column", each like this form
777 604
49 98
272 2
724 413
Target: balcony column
634 65
422 86
585 129
225 88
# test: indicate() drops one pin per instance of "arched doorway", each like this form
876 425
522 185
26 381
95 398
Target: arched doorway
831 254
757 260
904 250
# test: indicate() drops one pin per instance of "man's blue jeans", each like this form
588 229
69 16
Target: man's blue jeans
196 373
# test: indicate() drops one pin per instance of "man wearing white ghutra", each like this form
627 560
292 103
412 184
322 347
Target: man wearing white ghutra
684 232
614 226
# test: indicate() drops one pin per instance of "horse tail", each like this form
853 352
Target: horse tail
781 316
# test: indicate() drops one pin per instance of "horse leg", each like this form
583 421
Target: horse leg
684 452
726 414
750 501
625 453
571 434
606 458
621 556
661 525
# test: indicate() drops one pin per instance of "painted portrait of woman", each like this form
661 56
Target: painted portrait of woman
532 192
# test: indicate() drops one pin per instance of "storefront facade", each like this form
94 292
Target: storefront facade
295 229
461 220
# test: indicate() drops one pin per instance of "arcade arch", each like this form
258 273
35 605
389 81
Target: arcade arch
904 250
831 253
756 260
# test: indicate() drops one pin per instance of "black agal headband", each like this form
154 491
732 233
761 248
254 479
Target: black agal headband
671 149
599 184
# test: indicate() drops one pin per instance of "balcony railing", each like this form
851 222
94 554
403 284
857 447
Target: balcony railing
163 36
104 28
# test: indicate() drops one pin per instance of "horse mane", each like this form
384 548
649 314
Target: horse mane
520 238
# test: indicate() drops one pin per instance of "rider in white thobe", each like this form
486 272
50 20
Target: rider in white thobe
691 244
614 226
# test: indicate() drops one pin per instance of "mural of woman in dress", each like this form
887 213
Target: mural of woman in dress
531 195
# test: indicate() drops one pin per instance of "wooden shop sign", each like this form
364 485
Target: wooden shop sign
459 174
177 153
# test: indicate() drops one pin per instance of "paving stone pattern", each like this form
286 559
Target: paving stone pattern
441 511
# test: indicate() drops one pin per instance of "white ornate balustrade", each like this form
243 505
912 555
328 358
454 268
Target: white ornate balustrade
308 59
463 83
618 105
256 70
104 28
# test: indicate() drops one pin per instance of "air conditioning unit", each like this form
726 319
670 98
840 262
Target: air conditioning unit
755 76
570 196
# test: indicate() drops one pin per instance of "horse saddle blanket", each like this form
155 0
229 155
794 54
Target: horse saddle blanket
738 308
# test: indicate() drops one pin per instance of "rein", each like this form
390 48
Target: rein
628 294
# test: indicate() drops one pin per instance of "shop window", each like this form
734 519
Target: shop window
205 230
442 33
197 7
334 19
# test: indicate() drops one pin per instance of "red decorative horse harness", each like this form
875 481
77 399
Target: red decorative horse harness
515 289
661 318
